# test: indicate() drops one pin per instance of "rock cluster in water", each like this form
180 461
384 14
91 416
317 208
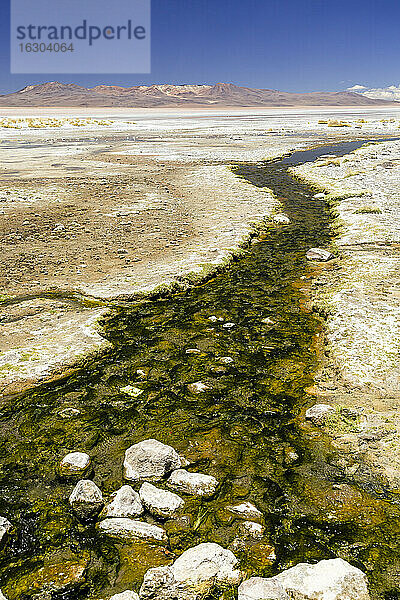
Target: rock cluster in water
207 566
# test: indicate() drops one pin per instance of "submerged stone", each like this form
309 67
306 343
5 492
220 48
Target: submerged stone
127 529
151 460
198 387
246 510
193 483
54 579
319 254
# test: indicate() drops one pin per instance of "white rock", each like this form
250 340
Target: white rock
2 596
69 412
319 412
228 325
198 387
246 510
86 499
150 460
160 503
251 529
128 595
319 196
5 527
129 529
226 360
124 503
193 483
74 463
332 579
192 351
131 390
257 588
319 254
267 321
281 219
193 575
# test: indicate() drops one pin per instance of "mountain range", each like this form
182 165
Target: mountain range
55 93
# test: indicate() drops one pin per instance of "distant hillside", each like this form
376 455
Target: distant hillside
221 94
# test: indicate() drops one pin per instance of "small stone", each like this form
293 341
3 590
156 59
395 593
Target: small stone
267 321
129 529
193 483
68 413
246 510
281 219
258 588
319 413
151 460
192 351
128 595
319 254
227 360
122 251
160 503
125 503
252 530
198 387
131 390
74 463
5 527
86 499
228 325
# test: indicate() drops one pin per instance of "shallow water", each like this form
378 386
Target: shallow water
242 430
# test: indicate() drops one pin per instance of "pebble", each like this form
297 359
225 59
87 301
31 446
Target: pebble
160 503
193 483
319 254
246 510
74 463
198 387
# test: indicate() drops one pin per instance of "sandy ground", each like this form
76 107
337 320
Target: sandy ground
110 211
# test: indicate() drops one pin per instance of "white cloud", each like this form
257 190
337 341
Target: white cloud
356 88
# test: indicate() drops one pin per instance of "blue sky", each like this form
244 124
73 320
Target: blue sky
291 45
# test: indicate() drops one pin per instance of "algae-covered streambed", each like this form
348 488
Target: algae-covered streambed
240 430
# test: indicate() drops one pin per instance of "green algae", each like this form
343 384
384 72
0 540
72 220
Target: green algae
241 430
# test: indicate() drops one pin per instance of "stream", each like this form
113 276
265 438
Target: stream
242 429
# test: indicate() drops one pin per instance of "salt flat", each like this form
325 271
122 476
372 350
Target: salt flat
112 210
